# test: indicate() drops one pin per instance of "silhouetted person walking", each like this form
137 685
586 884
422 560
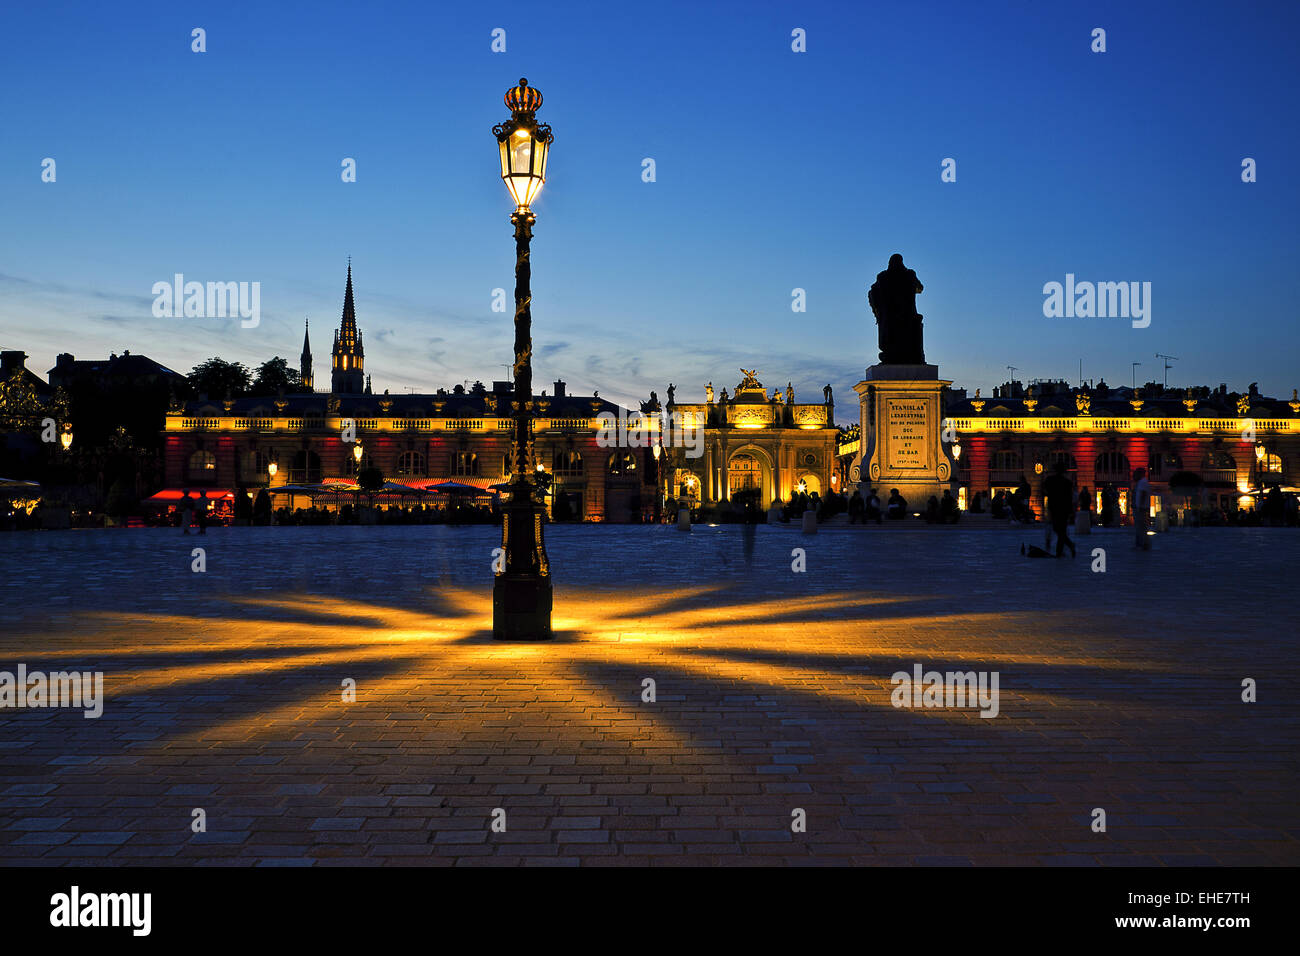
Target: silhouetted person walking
1058 492
186 509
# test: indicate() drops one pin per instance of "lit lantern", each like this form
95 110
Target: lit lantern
272 468
357 452
956 450
523 143
1259 451
65 439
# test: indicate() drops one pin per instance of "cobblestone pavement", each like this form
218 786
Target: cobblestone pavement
1119 690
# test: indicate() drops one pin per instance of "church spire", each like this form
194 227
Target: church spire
348 331
348 363
305 364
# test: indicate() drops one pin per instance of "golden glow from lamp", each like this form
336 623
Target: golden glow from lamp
272 468
523 144
956 450
357 452
1259 451
65 439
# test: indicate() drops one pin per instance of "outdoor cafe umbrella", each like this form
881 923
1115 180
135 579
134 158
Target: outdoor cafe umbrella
459 488
19 484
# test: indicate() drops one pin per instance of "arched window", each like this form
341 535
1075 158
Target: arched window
305 469
464 464
410 463
202 466
1005 460
1271 464
1113 466
568 464
622 463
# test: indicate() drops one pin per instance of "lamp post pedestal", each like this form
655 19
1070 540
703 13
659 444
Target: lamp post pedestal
521 594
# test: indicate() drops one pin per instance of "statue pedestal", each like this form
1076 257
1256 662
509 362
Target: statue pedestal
901 418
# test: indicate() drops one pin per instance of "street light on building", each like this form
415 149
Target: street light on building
521 592
65 437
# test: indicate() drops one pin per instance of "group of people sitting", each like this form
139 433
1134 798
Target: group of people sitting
867 508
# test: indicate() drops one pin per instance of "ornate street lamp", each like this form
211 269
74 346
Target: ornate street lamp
65 437
521 593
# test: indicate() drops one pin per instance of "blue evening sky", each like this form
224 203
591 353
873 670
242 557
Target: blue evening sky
775 170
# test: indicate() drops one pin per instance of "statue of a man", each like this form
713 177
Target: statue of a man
789 394
826 393
672 392
893 302
708 393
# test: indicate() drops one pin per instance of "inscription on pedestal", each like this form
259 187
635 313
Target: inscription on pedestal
906 433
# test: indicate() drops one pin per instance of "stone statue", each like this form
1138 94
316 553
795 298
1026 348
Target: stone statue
672 393
708 393
750 380
723 400
789 394
828 395
893 302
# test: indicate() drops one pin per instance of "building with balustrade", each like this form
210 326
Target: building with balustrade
415 440
1201 447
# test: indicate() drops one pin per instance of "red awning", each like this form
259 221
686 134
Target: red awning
171 495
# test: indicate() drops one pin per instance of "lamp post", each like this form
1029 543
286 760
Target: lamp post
65 437
521 592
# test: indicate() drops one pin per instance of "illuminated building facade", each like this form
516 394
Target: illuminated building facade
1201 447
767 445
416 440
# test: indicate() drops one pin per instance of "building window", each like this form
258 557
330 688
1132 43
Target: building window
1112 466
568 464
1005 461
202 466
1271 464
253 466
410 463
1054 457
622 464
1219 468
305 469
353 467
464 464
1161 463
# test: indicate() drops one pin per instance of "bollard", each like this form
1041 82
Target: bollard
683 519
810 522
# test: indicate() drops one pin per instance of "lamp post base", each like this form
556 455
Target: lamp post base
521 607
